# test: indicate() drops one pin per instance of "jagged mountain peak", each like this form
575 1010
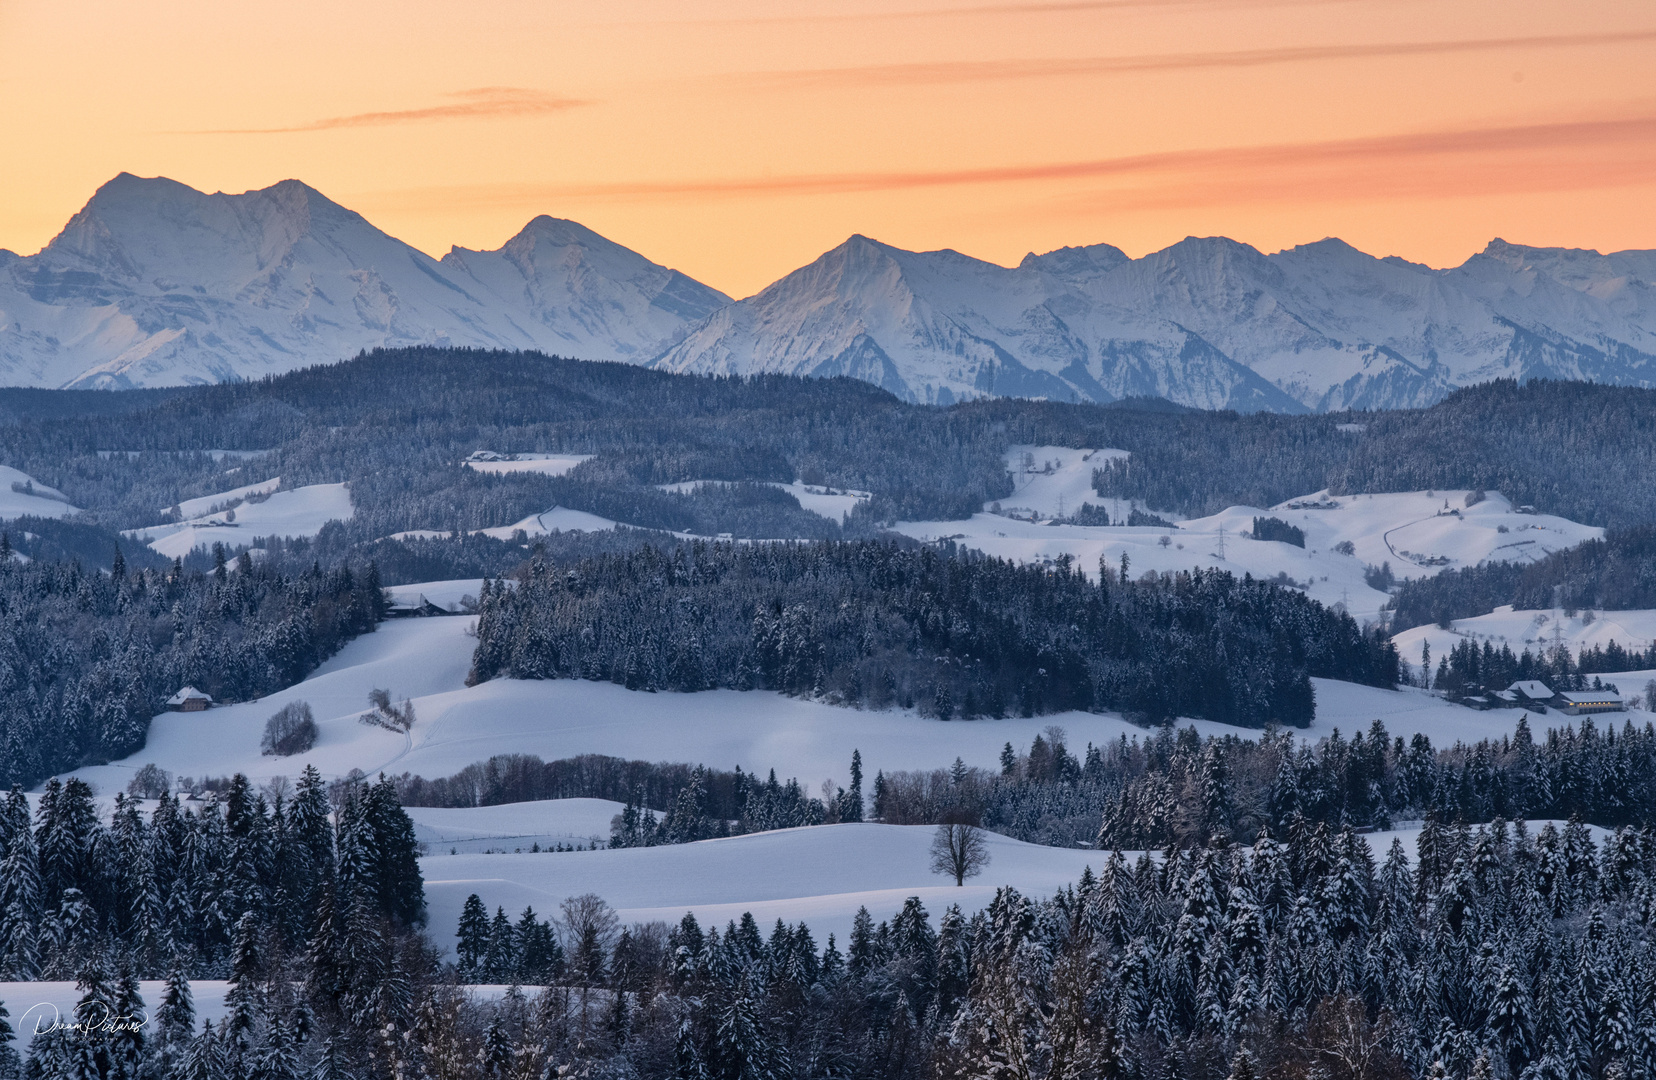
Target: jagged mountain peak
1091 260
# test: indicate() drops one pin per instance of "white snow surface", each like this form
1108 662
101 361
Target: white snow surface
46 502
1535 630
545 464
820 875
426 660
1419 533
299 512
154 283
445 594
1207 322
510 826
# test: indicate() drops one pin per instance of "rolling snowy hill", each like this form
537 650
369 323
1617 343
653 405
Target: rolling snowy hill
154 283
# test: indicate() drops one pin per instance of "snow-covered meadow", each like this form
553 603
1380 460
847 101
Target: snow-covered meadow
288 513
1418 533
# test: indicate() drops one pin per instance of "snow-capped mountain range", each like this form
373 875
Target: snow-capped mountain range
154 283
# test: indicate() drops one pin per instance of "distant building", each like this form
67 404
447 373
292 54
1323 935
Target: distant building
416 608
1582 702
189 699
1506 699
1532 691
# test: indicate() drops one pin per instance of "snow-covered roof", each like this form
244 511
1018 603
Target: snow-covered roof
1504 695
1590 697
1533 689
187 694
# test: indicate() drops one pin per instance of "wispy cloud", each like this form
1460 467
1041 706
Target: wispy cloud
967 71
483 102
1565 155
1048 7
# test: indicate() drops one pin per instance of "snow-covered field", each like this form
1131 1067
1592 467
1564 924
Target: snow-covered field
546 464
820 874
445 594
1418 533
299 512
510 826
46 502
1535 630
426 660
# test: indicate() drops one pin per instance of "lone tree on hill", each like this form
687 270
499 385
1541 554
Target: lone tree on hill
958 849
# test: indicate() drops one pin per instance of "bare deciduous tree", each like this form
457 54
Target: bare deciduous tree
959 850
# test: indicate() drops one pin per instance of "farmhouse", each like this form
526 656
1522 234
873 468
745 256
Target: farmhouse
189 699
1582 702
1532 691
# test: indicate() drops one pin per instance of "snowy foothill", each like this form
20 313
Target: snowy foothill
427 660
819 875
545 464
300 512
1418 533
1534 630
34 500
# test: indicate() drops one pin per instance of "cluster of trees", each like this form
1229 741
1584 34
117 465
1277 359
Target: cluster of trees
1181 789
333 873
89 657
1273 528
1618 572
952 633
1468 669
758 807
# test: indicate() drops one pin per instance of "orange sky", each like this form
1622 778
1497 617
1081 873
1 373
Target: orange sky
738 140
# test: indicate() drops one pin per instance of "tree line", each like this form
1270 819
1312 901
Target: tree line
332 872
1499 951
89 657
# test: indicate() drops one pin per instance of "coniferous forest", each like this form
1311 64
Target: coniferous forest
954 634
1252 932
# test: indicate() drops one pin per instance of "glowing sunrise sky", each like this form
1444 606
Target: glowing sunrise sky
737 141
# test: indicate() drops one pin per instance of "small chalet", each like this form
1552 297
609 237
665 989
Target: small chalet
1584 702
189 699
1531 692
1506 699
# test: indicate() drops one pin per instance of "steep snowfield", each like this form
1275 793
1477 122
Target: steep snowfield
154 283
579 294
510 826
45 502
1418 533
547 464
820 874
299 512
